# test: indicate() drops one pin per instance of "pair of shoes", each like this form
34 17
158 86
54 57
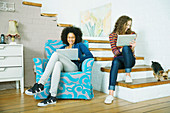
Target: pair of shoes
50 100
37 88
128 79
109 99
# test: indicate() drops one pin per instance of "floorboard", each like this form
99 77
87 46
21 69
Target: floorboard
12 101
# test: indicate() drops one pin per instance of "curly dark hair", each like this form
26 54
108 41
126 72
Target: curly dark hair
76 31
119 25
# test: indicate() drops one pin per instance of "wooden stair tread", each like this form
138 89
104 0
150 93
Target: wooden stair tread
97 41
100 49
111 58
32 4
48 15
136 68
143 82
65 25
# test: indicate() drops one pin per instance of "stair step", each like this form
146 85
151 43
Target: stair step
100 49
65 25
32 4
136 68
97 41
48 15
143 82
111 58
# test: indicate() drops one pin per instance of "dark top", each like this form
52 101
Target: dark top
83 53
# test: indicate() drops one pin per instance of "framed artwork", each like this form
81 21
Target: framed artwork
96 22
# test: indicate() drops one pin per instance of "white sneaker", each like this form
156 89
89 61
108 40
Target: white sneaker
124 78
128 79
109 99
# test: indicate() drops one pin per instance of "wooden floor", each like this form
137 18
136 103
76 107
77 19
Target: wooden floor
11 101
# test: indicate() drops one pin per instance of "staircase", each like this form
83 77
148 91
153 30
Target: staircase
54 16
144 86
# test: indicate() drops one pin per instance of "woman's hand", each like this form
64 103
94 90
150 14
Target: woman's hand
133 44
120 49
78 58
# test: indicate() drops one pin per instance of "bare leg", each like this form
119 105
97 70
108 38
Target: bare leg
128 74
111 92
109 99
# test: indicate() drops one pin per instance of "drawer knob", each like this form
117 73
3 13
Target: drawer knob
2 58
2 47
2 69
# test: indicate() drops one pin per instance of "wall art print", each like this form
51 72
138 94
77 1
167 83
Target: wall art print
96 22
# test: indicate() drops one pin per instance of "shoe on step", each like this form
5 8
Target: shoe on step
37 88
50 100
128 79
124 78
109 99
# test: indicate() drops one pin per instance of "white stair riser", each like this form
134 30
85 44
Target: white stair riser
102 53
99 45
96 38
142 94
109 63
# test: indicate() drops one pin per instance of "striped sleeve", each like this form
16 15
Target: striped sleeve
133 32
113 41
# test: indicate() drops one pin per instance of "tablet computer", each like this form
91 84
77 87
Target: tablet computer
72 54
124 40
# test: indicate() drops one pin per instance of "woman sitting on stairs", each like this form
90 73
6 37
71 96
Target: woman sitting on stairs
123 56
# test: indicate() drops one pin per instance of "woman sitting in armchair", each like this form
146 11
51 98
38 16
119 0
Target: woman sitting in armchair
72 37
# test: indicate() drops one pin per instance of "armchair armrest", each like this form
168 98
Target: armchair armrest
40 65
87 65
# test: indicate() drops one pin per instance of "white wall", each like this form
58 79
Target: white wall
69 10
150 22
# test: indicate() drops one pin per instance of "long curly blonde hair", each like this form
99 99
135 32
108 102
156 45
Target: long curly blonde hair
119 25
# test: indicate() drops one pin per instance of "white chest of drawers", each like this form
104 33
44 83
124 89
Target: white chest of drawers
11 64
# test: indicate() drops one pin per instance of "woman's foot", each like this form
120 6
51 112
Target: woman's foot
109 99
128 79
37 88
50 100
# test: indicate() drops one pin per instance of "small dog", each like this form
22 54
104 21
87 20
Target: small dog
159 72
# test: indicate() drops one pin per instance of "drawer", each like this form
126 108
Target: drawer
10 61
9 50
10 72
